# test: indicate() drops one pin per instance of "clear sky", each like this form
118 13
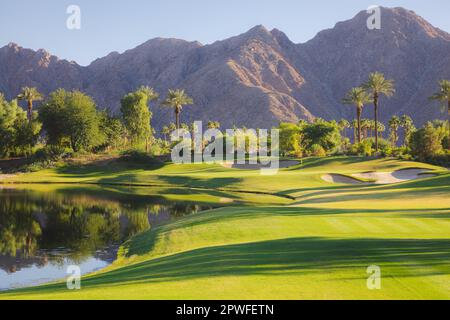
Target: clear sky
118 25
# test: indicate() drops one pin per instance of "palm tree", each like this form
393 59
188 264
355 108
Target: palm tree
343 125
365 125
165 131
357 97
176 99
381 128
355 127
408 128
151 94
213 124
444 97
30 94
377 85
394 123
172 126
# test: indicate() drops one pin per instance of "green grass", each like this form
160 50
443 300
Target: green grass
317 246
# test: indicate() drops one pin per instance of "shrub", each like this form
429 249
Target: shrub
317 150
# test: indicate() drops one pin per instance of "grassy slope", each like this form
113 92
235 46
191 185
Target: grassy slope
318 246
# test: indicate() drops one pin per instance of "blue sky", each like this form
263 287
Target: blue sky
117 25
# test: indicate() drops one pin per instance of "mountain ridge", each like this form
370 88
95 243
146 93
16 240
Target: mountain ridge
259 77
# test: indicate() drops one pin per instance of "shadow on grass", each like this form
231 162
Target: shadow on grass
280 257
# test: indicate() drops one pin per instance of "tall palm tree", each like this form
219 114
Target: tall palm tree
30 94
355 127
357 97
394 124
176 99
376 86
444 97
408 128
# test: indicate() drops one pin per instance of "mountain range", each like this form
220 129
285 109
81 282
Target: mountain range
260 77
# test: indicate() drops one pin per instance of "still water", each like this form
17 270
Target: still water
43 233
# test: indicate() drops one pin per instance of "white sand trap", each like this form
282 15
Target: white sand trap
338 178
396 176
247 166
6 176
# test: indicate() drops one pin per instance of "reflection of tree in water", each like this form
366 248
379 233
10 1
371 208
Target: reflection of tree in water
38 227
18 227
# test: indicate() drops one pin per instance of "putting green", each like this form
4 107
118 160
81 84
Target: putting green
316 246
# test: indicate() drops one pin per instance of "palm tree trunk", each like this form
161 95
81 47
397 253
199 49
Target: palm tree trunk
177 119
358 115
375 104
30 110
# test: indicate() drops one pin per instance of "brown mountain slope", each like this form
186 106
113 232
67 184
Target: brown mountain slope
258 78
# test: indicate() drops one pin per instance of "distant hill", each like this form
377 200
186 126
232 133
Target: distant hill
260 77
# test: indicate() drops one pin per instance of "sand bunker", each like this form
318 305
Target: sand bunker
380 177
396 176
338 178
6 176
247 166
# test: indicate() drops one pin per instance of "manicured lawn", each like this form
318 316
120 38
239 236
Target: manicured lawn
314 247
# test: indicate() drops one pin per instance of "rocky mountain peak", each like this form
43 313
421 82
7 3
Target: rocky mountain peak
259 77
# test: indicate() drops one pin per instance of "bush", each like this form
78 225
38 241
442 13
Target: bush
317 150
364 148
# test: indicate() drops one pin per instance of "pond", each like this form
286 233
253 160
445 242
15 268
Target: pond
42 233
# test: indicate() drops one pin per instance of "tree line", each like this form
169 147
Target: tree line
430 143
70 120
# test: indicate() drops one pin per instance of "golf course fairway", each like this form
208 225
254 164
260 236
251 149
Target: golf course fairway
288 236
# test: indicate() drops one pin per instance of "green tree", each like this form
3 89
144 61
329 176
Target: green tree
376 86
394 124
136 114
26 134
71 117
290 139
18 134
323 133
443 95
357 97
29 95
82 122
176 99
426 142
52 115
113 130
